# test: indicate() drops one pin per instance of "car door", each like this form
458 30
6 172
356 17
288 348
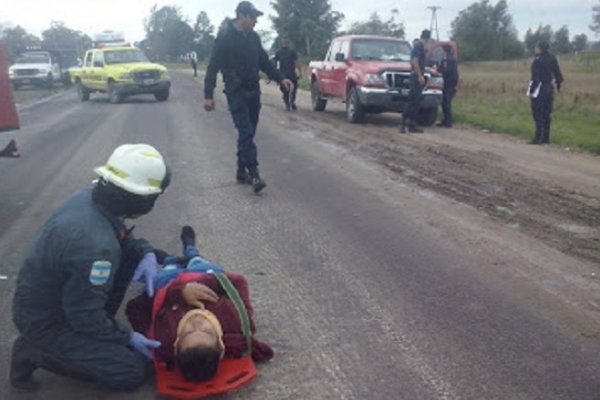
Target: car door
327 70
340 69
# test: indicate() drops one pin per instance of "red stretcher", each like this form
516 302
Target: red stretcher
231 374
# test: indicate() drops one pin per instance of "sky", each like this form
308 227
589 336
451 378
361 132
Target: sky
93 16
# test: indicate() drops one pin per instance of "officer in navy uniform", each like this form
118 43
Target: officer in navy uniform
75 275
417 84
449 70
239 55
287 58
544 69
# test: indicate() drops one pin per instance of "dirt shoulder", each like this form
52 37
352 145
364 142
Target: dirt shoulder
549 193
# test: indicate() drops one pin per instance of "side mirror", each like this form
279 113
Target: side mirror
339 57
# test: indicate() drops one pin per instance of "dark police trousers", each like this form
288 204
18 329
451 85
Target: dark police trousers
541 108
415 97
58 349
447 96
244 106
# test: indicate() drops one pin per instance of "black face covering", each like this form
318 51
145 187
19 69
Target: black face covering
120 202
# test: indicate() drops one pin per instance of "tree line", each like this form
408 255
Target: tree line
483 31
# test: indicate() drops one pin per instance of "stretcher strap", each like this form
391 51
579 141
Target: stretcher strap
237 301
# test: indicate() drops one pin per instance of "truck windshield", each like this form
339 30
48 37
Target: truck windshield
124 56
33 59
380 50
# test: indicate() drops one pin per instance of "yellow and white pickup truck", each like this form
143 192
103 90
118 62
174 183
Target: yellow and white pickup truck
120 71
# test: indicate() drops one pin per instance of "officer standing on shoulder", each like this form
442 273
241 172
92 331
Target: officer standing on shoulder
449 70
239 55
75 275
417 84
541 91
287 58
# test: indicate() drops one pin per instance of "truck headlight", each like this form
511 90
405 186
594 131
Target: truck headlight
435 81
164 74
374 79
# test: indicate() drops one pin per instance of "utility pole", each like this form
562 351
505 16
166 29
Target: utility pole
433 27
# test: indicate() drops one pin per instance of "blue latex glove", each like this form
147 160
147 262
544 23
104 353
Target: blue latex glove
146 271
142 344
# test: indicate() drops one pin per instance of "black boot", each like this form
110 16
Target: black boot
188 237
23 363
257 183
241 176
402 126
10 150
413 128
546 134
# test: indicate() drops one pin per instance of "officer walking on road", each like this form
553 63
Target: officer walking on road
541 91
239 55
288 65
194 62
75 275
417 84
449 71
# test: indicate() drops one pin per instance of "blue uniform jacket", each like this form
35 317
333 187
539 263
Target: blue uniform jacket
68 272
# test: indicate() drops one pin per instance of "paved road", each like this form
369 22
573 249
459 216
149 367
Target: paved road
360 298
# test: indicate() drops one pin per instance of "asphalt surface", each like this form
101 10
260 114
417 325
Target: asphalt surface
359 298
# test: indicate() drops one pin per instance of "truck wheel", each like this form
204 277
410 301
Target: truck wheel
355 111
113 93
82 92
427 116
162 95
318 103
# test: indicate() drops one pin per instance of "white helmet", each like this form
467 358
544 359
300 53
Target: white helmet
136 168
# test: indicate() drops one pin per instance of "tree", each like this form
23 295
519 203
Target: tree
542 34
376 26
486 32
595 26
168 35
309 24
580 42
17 41
561 44
203 35
68 44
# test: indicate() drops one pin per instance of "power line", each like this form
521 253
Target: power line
433 27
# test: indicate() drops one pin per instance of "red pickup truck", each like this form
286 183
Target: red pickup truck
371 75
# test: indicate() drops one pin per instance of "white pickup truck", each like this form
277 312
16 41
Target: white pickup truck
38 68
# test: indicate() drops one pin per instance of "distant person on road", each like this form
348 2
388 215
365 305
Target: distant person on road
194 61
449 70
417 84
75 275
544 70
287 58
239 55
198 323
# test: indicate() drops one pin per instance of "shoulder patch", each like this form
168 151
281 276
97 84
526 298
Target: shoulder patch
100 272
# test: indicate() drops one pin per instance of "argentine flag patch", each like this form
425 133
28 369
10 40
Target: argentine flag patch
100 272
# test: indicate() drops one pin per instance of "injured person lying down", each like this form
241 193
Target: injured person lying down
198 322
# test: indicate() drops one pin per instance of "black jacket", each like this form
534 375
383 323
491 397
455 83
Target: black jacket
544 68
449 71
239 56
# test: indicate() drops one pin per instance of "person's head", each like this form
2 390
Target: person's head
131 180
541 47
199 345
425 35
246 15
447 49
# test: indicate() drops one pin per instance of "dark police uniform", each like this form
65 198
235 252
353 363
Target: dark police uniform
68 290
449 71
240 56
287 59
543 69
415 95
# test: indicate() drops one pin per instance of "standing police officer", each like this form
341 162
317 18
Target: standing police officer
449 71
239 55
541 91
417 84
288 65
75 275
